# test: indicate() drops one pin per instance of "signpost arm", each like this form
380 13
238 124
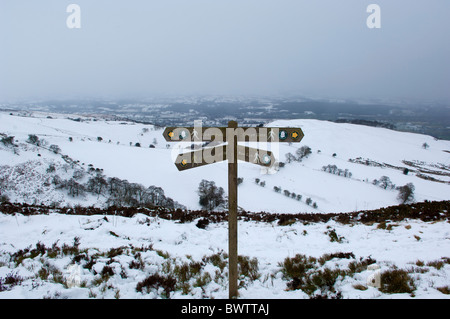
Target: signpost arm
232 215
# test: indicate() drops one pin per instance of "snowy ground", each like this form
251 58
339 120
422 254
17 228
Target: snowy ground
415 246
118 157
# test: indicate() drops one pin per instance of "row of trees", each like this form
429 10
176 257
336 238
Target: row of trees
118 192
295 196
333 169
211 196
32 139
260 182
137 144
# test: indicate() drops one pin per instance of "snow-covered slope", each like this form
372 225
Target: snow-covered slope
74 256
346 146
98 256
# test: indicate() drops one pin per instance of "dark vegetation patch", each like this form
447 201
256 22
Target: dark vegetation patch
425 211
50 252
156 281
396 281
307 274
11 280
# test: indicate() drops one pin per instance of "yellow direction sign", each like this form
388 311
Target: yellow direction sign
243 134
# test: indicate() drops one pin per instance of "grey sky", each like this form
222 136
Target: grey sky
319 48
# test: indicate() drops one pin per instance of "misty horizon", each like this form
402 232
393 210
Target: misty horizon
234 48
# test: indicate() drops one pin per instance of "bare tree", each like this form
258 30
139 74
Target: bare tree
303 152
406 193
211 196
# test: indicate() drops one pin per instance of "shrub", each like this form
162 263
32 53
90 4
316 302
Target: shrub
7 141
11 280
107 272
55 148
137 263
361 265
51 168
33 139
327 257
438 264
297 266
217 259
334 237
248 267
202 223
396 281
323 280
444 289
4 198
306 276
156 281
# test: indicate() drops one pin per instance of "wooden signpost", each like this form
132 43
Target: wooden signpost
232 152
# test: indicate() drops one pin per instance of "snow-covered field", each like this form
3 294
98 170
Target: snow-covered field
70 256
117 155
415 246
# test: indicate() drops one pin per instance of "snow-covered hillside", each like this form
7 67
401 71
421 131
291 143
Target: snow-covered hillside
51 159
358 154
75 256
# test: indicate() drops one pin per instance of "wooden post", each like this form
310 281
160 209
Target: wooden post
232 212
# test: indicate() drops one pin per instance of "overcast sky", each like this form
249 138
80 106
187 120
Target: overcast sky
320 48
